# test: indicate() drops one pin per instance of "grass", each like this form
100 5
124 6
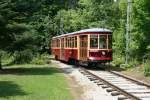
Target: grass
147 69
137 73
33 82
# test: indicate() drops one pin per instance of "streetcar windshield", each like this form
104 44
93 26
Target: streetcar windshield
103 41
93 41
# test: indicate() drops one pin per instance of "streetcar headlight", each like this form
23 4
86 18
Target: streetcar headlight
91 58
103 53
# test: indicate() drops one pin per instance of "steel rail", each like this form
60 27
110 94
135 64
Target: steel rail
131 79
129 95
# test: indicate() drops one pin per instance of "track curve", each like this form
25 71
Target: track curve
123 87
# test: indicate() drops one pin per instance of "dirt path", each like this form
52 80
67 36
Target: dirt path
75 89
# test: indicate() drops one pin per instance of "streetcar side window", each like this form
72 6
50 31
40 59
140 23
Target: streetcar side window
75 42
54 42
66 42
93 41
103 41
57 43
62 42
72 43
69 42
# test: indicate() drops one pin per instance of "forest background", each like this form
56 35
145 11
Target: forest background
27 26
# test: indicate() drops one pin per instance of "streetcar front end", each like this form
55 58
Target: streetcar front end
100 50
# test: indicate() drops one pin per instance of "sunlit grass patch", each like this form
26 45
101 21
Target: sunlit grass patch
33 82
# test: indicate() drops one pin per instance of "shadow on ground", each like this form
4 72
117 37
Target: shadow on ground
31 71
67 70
105 67
8 88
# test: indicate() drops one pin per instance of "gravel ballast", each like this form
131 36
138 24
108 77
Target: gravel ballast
87 90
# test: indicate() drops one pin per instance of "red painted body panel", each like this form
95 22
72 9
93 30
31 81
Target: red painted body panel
93 54
56 52
100 54
68 54
71 53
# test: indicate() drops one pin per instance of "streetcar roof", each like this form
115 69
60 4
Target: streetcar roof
85 30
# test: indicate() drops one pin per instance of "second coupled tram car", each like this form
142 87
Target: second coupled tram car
89 46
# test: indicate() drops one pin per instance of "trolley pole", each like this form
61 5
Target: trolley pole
128 31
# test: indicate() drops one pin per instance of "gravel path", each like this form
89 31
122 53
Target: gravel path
84 89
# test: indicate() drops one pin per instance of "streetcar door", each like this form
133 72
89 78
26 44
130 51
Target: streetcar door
83 47
62 51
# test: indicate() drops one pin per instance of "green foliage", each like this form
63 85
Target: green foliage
22 57
1 55
141 19
18 24
134 62
117 60
30 25
147 69
40 59
7 58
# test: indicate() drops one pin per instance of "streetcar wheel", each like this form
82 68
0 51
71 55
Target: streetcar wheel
71 61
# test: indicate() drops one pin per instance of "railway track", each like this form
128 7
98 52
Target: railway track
123 87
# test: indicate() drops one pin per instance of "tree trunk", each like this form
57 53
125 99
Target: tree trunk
0 62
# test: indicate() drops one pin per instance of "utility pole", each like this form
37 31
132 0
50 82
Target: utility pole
61 25
71 6
128 30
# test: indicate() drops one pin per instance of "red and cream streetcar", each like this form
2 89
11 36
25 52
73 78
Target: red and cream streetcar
89 46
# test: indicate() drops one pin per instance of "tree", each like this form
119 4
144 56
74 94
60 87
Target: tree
140 37
10 26
26 24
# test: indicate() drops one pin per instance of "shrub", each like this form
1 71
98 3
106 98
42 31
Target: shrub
147 69
7 59
133 63
40 59
117 61
21 57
